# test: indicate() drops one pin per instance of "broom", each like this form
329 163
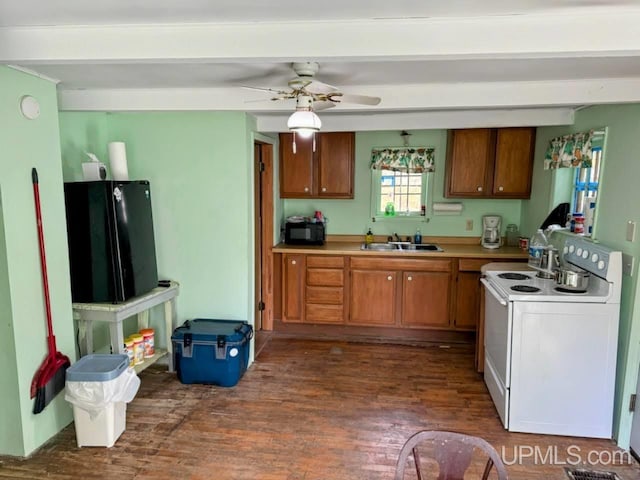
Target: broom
50 378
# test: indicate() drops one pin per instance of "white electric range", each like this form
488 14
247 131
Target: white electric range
550 355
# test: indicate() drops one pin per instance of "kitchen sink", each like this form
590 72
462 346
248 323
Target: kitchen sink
401 247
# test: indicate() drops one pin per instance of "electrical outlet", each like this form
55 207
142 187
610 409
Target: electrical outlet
627 264
631 231
469 224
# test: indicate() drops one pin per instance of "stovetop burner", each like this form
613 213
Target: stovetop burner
569 291
525 289
513 276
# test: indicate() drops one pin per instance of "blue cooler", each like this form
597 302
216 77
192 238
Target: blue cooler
211 351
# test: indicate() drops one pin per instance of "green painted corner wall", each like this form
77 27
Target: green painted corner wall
618 203
199 165
354 216
26 144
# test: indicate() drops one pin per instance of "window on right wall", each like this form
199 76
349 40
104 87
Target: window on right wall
585 186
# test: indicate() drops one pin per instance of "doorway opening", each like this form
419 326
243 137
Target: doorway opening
263 203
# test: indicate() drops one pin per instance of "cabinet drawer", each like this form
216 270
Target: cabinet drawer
324 314
325 261
472 264
328 295
388 263
325 277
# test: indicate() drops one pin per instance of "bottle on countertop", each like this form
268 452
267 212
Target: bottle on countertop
417 238
537 246
368 239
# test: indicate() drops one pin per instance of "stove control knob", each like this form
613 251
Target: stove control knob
585 254
579 251
571 248
594 257
565 250
600 264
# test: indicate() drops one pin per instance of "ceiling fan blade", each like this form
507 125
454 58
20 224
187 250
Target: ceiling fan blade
318 87
361 99
323 105
272 90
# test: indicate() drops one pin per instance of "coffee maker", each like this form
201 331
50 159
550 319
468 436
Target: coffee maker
491 231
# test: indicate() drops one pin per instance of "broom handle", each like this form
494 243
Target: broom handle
51 340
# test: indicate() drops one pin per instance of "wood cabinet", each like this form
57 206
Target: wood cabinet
468 292
425 299
373 297
400 292
326 173
489 163
293 281
324 300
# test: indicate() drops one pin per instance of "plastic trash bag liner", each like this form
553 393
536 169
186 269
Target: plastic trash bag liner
93 397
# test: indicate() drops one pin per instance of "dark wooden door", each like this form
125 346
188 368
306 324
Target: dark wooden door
296 169
336 160
373 297
293 285
514 162
469 164
425 299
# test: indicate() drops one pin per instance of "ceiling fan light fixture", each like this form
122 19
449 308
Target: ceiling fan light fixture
304 123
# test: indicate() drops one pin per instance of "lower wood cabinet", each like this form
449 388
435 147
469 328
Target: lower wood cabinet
432 293
425 299
373 297
293 283
324 289
400 292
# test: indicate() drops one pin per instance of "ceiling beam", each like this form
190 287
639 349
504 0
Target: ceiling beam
441 96
524 36
363 121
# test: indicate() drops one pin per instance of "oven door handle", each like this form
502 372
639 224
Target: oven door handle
493 292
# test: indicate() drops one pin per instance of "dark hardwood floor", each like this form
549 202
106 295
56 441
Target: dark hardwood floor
305 410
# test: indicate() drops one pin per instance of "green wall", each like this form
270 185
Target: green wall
617 203
26 144
354 216
200 168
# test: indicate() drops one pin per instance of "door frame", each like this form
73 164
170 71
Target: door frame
263 221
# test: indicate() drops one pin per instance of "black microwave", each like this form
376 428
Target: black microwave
304 233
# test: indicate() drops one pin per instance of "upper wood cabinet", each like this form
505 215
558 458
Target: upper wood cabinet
326 173
490 163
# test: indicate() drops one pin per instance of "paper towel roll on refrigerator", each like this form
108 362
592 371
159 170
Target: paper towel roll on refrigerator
118 161
450 208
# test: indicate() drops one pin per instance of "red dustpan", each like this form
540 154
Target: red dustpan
49 380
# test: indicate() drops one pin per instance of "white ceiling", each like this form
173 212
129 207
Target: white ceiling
459 62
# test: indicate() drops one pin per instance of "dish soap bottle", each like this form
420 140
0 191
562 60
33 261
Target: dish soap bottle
368 239
417 238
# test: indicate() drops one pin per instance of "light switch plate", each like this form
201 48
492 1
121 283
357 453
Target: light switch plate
627 264
469 224
631 231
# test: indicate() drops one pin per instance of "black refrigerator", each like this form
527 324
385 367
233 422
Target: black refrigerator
112 251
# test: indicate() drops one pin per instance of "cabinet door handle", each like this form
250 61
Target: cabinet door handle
389 277
479 189
324 189
293 262
500 188
409 278
306 189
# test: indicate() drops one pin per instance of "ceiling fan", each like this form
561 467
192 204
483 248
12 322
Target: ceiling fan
312 94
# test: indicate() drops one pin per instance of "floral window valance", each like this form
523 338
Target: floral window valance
575 150
403 159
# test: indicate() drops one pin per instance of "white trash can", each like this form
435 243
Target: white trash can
99 388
